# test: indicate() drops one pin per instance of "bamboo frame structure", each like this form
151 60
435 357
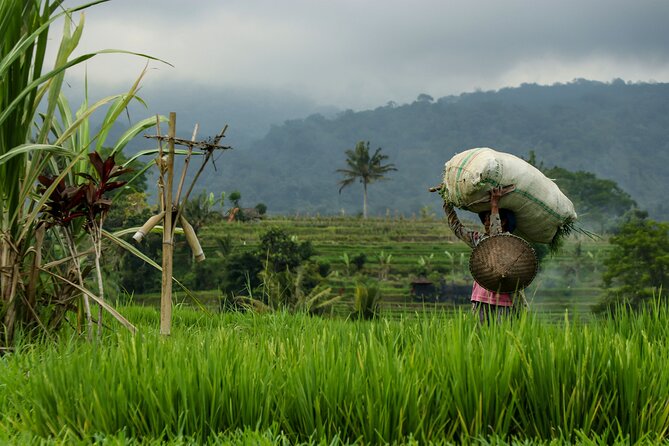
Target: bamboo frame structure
148 226
171 209
168 251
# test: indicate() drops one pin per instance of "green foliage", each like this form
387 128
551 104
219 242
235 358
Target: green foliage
278 275
638 265
204 275
359 261
202 210
129 210
276 254
235 196
40 135
427 379
346 260
282 252
617 131
224 245
324 268
598 201
363 167
385 259
241 273
425 265
131 272
566 281
301 290
366 300
261 208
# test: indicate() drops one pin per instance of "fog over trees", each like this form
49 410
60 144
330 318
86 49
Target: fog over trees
616 131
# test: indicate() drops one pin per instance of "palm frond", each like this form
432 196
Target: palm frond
346 182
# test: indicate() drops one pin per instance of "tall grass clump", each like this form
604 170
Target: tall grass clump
432 378
42 269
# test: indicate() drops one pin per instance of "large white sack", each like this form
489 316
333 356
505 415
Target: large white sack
542 210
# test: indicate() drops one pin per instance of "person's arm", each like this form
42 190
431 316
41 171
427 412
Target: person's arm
495 220
469 237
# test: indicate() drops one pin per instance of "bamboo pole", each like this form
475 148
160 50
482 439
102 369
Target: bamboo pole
160 162
204 163
148 226
166 291
192 240
185 168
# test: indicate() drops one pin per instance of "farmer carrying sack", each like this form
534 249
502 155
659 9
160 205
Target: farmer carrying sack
543 212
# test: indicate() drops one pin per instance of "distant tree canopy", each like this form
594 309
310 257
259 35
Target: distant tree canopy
615 130
597 201
424 97
277 252
638 265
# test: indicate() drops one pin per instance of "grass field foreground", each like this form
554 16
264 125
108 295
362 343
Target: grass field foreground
432 378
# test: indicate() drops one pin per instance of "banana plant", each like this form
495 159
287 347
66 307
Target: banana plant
347 263
384 265
425 264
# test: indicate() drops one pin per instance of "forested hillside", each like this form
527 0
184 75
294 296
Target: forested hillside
616 130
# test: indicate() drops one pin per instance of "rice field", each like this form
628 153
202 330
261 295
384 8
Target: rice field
568 280
431 378
410 377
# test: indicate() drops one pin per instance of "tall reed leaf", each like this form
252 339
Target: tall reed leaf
26 150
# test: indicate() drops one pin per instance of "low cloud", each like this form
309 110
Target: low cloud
364 53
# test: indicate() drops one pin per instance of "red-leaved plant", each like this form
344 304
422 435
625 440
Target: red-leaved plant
87 200
96 204
64 204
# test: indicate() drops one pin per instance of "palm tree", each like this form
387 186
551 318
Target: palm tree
367 168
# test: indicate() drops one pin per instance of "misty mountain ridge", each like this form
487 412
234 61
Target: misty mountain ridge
250 113
616 130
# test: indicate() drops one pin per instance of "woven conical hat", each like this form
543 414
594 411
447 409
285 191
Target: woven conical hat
503 263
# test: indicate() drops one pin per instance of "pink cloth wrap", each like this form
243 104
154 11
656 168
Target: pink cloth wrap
480 294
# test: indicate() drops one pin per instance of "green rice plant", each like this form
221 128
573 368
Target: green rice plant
594 380
428 379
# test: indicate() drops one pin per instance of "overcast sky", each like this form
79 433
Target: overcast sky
363 53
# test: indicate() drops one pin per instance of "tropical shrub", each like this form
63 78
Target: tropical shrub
366 300
40 135
638 265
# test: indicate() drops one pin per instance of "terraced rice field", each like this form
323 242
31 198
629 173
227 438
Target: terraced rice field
568 280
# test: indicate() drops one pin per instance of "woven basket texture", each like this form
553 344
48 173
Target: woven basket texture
503 263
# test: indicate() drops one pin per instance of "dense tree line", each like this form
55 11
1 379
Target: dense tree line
637 268
615 131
